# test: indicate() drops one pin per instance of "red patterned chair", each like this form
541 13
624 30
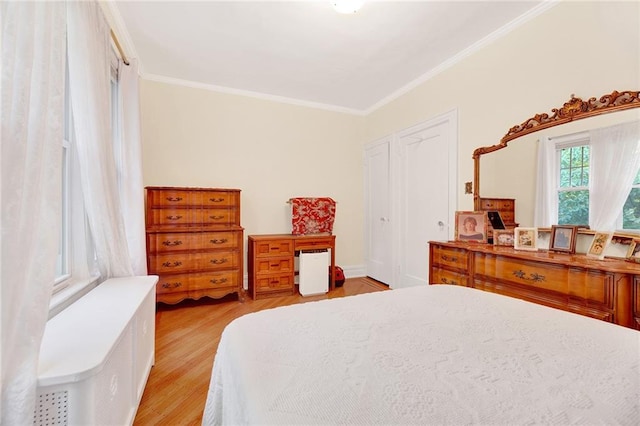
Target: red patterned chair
312 215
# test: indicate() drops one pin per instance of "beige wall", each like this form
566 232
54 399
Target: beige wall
582 48
273 151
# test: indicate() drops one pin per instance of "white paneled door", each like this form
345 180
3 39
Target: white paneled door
378 211
411 199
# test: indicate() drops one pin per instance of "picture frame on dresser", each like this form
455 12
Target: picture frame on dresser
503 237
496 220
471 226
633 253
563 238
525 238
599 244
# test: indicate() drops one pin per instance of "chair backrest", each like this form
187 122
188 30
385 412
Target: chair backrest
312 215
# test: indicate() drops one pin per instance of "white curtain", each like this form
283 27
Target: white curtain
89 76
615 160
546 205
33 65
131 185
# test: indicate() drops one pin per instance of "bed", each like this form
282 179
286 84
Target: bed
424 355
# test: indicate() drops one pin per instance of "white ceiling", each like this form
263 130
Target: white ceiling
303 51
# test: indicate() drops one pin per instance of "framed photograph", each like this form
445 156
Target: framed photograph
471 226
563 238
633 254
599 244
503 237
525 239
495 220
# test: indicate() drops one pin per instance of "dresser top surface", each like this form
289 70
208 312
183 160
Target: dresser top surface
184 188
288 236
572 260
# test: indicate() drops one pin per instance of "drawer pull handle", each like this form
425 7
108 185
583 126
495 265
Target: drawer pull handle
172 243
174 199
216 281
174 217
219 261
446 281
172 285
275 265
216 217
449 258
218 241
535 277
275 282
216 200
273 248
172 265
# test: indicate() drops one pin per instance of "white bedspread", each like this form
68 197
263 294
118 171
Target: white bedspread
425 355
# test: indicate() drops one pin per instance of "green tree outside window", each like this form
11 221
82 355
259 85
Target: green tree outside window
573 192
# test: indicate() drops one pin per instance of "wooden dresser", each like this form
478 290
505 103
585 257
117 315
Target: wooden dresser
270 261
194 242
605 289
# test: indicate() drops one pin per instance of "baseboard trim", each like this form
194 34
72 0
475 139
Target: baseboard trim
354 271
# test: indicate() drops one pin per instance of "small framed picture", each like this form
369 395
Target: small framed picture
563 238
599 244
503 237
633 254
525 238
496 220
471 226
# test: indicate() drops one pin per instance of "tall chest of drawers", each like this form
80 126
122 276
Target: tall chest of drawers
194 242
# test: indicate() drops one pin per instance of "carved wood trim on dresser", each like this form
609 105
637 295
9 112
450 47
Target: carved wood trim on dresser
608 289
194 242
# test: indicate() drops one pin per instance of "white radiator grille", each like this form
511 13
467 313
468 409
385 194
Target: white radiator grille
51 409
89 376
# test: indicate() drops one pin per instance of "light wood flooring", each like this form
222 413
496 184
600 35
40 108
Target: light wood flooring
187 336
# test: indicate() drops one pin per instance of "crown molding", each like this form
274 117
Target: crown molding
479 45
249 94
117 24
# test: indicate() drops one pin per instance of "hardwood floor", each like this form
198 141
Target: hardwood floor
187 336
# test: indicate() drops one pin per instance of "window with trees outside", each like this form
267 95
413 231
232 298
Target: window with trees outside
573 191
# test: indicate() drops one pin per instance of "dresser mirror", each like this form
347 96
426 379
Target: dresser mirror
511 174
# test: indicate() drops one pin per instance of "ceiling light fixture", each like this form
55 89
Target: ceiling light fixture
347 6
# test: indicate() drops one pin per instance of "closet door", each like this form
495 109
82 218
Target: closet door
378 225
426 194
410 199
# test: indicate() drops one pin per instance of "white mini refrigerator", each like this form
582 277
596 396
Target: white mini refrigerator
314 273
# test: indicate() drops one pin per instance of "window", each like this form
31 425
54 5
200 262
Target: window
573 186
573 191
631 209
76 262
63 260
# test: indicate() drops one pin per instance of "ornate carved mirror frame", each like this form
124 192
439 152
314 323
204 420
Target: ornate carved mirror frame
572 110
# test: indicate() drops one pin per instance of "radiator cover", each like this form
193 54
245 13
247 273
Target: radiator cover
97 354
